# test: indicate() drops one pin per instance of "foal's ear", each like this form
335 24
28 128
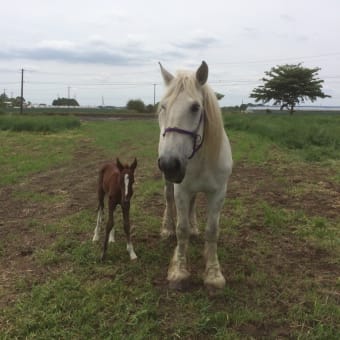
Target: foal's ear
119 165
133 166
167 76
202 73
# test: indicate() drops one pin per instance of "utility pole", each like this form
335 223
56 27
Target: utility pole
22 92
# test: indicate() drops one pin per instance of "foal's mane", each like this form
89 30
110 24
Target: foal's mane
213 124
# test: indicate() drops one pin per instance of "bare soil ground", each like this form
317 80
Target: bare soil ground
75 182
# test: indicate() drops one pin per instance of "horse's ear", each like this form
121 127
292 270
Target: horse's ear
167 76
202 73
119 164
134 165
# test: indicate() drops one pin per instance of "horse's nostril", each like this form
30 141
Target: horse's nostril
176 164
172 164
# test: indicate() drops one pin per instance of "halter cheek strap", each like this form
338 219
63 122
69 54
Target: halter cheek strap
196 138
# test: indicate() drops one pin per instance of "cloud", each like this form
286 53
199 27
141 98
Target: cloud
287 18
96 50
196 43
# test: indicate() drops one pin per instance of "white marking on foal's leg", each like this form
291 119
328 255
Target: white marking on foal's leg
97 229
129 248
126 182
112 236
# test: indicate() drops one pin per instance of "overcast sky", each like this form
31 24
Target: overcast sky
108 50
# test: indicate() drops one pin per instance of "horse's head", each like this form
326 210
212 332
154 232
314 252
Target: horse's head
181 121
127 178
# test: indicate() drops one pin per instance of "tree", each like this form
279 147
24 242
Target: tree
65 102
136 105
289 85
219 95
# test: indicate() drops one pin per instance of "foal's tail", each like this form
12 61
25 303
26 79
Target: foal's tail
100 190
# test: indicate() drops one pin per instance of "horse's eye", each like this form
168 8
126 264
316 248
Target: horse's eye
163 107
195 107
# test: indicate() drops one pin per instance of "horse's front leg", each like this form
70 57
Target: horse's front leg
193 218
126 218
168 224
177 272
213 278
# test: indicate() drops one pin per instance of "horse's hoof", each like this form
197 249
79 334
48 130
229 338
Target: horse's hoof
133 257
194 234
179 285
95 239
165 234
214 284
213 290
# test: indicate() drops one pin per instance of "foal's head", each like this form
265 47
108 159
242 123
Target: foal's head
127 178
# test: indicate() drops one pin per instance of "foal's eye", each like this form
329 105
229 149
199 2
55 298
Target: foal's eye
195 107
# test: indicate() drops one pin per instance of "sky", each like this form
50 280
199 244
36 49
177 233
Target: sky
107 51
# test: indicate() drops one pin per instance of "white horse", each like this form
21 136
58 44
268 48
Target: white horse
194 156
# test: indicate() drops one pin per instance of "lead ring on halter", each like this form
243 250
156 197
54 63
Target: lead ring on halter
193 134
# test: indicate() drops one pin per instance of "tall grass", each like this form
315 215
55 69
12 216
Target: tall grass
38 123
318 136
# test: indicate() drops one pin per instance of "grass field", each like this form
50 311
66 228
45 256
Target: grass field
279 244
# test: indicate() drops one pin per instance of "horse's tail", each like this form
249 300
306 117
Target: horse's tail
100 189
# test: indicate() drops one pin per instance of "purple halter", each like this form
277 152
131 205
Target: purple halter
196 138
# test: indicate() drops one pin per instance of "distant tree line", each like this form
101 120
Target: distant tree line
65 102
139 106
5 101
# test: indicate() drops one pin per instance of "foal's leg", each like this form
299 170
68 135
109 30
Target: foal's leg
109 227
98 225
100 214
193 219
126 218
177 272
213 278
168 225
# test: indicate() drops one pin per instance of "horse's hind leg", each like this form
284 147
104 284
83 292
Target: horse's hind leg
168 224
213 278
126 218
108 229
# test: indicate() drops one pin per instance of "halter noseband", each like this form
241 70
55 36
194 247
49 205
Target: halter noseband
196 138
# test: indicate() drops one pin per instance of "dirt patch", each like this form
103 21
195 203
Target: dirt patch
306 189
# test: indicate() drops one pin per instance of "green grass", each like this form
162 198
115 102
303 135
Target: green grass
316 137
38 123
24 153
278 261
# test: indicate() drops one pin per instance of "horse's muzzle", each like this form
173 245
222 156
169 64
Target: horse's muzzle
173 169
